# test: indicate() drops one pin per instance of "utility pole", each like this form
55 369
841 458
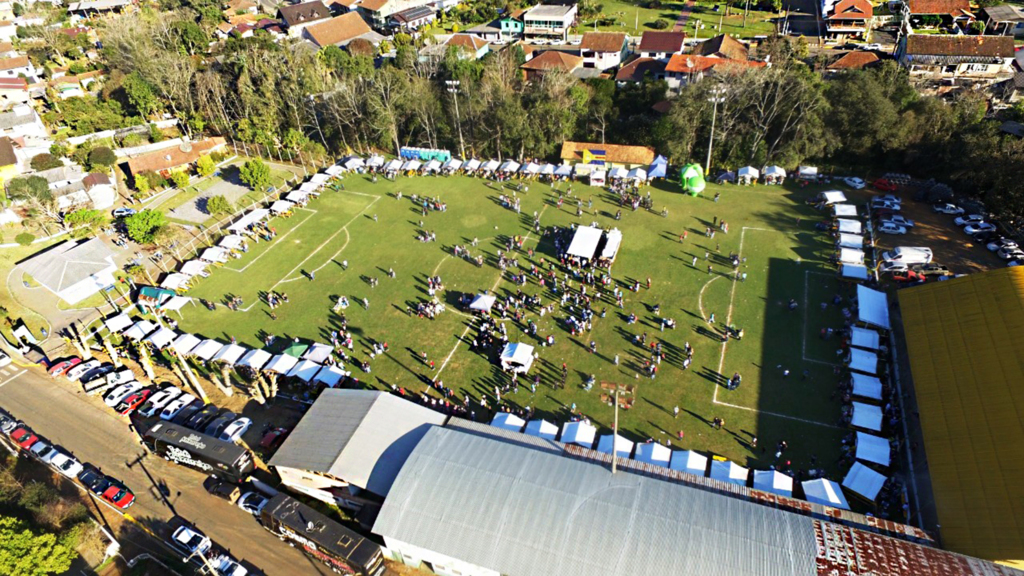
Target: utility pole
453 89
717 97
696 30
617 390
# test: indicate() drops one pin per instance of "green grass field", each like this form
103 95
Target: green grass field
627 16
784 259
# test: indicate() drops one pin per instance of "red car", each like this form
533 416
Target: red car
118 494
24 437
273 438
63 366
885 185
133 401
909 276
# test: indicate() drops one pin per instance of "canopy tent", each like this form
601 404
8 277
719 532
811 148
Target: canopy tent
184 344
872 307
215 254
866 386
229 354
432 166
483 302
618 172
354 163
453 164
851 241
297 196
773 481
658 168
320 179
334 170
330 376
255 359
623 447
393 166
638 174
832 197
864 481
296 349
864 338
867 416
542 429
875 449
774 171
472 165
854 271
548 169
304 370
612 245
139 330
565 170
597 178
851 256
375 161
318 353
118 323
252 217
844 210
530 168
233 241
729 471
847 226
309 188
176 281
507 421
689 461
194 267
584 242
517 357
807 172
579 433
748 174
281 206
509 166
653 453
206 349
489 166
161 337
863 361
825 492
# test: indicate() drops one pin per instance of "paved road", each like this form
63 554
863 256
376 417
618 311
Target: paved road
94 434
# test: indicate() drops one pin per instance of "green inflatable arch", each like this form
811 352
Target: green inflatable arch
692 179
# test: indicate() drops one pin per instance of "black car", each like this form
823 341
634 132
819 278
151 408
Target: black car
96 373
986 236
185 413
203 417
217 425
93 479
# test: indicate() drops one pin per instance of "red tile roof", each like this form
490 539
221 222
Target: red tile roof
635 70
948 45
554 59
12 63
724 47
854 60
662 42
603 41
173 156
467 42
13 84
852 10
951 7
692 63
338 29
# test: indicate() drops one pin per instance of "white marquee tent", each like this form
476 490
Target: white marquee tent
318 353
252 217
867 416
548 169
773 481
618 172
845 210
638 174
304 370
471 165
584 242
825 492
393 166
255 359
863 361
653 453
483 302
530 168
489 166
867 386
297 196
432 166
729 471
215 254
161 337
847 226
689 461
541 429
230 354
184 344
175 281
507 421
611 247
623 447
281 364
517 357
864 338
832 197
118 323
509 166
281 206
330 376
320 179
851 256
194 267
453 164
139 330
564 170
874 449
774 171
864 481
579 433
851 241
854 271
206 349
375 161
872 307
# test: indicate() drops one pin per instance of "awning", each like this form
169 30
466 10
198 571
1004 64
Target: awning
854 271
729 471
330 376
864 338
252 217
825 492
875 449
864 481
579 433
872 307
509 166
139 330
208 348
432 166
453 164
863 361
507 421
774 171
354 163
637 174
255 359
689 461
530 168
161 337
296 196
564 170
175 281
867 386
281 206
773 481
375 161
483 302
749 172
542 429
845 210
318 353
867 416
847 226
194 267
184 344
215 254
393 166
653 453
623 447
296 349
832 197
584 242
118 323
611 246
304 370
851 256
618 172
851 241
472 165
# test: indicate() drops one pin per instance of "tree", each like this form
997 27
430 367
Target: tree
102 156
25 239
45 161
143 226
26 553
90 220
58 150
255 173
218 205
192 36
28 188
141 182
140 94
205 166
179 178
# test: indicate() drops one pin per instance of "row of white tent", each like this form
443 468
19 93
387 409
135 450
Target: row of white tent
488 166
309 367
750 173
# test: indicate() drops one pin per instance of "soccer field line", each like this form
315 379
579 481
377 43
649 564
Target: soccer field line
283 236
777 415
807 313
700 297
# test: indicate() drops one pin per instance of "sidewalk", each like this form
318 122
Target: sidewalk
684 16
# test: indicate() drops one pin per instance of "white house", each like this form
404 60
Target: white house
661 45
603 50
17 66
548 21
22 120
72 270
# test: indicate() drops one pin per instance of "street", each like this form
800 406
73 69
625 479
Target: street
57 410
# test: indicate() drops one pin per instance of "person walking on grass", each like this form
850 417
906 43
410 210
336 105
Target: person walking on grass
675 412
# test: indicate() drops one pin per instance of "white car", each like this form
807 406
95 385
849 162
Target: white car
891 267
43 451
855 183
78 371
235 430
965 220
4 360
891 228
1000 244
252 502
897 219
66 465
872 46
191 541
120 392
540 42
172 409
558 42
157 401
973 229
948 209
1008 253
226 566
886 205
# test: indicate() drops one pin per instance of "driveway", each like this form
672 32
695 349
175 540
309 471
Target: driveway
228 184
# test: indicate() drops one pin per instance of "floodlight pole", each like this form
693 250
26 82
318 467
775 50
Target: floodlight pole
616 389
453 89
717 97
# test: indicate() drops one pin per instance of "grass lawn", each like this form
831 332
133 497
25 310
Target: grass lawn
784 260
633 19
15 309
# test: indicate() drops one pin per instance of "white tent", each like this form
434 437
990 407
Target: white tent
330 376
281 206
176 303
193 267
749 173
825 492
848 210
584 242
623 447
297 196
807 172
774 171
872 307
597 178
139 330
184 344
354 163
304 370
851 256
309 188
375 161
231 242
637 174
618 172
320 179
517 357
334 170
318 353
864 338
542 429
509 166
689 461
867 386
281 364
393 166
489 166
871 448
729 471
579 433
864 481
530 168
832 197
453 164
207 348
548 169
471 165
847 226
229 353
432 166
249 219
215 254
118 323
854 271
863 361
564 170
653 453
175 281
483 303
161 337
851 241
867 416
773 481
611 247
255 359
507 421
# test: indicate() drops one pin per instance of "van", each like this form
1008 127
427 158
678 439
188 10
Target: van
908 255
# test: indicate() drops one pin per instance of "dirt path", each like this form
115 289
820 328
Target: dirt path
684 16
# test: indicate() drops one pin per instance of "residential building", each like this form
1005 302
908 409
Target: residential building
640 70
17 66
548 22
412 19
170 158
73 270
722 46
939 13
536 67
8 30
486 32
22 121
338 7
661 45
511 26
855 60
101 190
957 59
72 188
239 7
592 155
296 17
1004 19
847 19
9 165
13 91
93 7
7 50
340 31
603 50
685 68
379 12
469 47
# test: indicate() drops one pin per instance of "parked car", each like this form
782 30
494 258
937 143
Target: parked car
175 406
870 46
892 267
7 424
133 401
222 489
121 392
969 219
122 212
62 366
252 502
157 401
891 228
909 277
855 183
66 465
120 377
200 419
1000 243
24 437
43 451
986 236
948 209
217 425
82 369
1013 253
93 479
885 185
886 205
931 269
235 430
97 373
899 220
191 541
225 565
5 360
973 229
118 494
274 437
182 417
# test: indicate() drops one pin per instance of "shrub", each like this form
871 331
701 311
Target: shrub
218 205
25 239
179 178
102 156
143 226
45 161
205 166
156 180
255 173
659 24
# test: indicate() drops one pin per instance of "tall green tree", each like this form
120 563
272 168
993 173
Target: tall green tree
255 173
24 552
